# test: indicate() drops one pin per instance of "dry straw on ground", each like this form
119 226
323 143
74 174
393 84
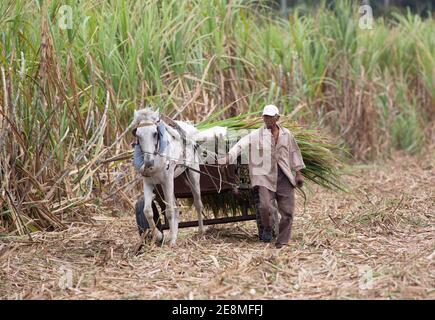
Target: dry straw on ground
377 243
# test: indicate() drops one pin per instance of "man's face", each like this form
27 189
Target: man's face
270 121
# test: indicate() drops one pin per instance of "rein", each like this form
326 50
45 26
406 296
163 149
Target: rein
198 171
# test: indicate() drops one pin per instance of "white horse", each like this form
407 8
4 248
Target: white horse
164 150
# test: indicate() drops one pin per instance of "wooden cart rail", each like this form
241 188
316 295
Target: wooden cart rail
194 223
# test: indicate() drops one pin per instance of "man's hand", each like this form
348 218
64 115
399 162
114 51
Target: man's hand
299 179
224 160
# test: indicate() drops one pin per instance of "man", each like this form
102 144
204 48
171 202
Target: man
273 155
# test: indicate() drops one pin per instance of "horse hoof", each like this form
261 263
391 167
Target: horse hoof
172 244
137 248
162 241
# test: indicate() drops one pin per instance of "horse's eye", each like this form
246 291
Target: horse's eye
155 134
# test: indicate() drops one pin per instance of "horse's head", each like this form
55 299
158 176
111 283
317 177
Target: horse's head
147 134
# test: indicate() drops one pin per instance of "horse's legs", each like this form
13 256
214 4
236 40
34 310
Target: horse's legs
194 179
148 211
171 213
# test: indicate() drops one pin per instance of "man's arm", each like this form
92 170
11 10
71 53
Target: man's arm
299 179
235 151
296 161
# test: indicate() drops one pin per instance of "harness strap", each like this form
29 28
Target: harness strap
180 130
145 124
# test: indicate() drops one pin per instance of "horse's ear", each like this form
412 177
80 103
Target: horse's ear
156 111
136 116
133 132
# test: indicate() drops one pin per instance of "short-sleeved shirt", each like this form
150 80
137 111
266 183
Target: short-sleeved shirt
264 157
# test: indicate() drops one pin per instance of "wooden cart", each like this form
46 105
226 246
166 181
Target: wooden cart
239 203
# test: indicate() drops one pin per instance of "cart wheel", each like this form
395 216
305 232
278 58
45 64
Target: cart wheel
142 223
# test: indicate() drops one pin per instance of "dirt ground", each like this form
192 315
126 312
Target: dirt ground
377 242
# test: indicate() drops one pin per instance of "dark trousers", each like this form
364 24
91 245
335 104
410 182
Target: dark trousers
285 198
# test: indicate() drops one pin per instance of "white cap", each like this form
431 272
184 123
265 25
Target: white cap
270 110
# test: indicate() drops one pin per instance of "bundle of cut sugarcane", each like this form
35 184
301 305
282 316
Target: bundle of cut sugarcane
322 157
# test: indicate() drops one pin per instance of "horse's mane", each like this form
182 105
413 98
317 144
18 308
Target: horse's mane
145 114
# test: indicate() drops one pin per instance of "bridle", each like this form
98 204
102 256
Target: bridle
147 123
168 124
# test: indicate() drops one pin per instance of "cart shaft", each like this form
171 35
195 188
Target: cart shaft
188 224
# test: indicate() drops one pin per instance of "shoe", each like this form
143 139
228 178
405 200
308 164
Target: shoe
266 236
279 245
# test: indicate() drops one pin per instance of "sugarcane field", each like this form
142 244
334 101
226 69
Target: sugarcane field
217 150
